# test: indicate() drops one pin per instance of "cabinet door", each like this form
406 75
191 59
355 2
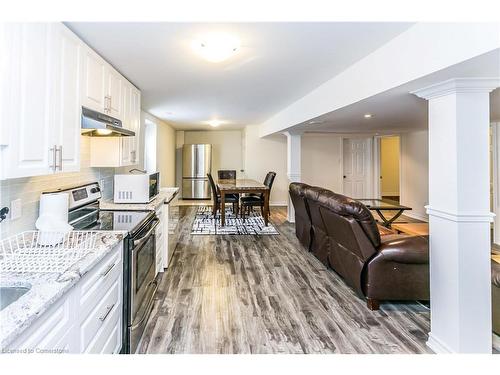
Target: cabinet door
114 87
30 144
66 97
136 124
94 81
127 142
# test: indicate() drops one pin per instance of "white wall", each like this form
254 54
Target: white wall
415 173
165 149
165 153
263 155
321 161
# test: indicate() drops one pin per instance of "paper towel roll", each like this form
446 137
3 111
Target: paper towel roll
55 205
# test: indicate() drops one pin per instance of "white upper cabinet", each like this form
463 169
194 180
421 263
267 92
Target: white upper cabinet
94 95
103 86
120 151
132 113
30 147
67 108
114 85
46 75
43 111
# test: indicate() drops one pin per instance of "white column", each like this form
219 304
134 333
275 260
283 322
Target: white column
293 165
459 215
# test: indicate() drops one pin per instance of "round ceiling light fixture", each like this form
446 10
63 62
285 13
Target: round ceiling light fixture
214 123
367 115
216 47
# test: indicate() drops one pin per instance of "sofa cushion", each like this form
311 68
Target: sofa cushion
405 249
345 206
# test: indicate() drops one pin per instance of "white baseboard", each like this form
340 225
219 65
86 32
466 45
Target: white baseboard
437 346
417 216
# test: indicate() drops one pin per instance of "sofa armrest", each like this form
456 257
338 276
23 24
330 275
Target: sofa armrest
405 249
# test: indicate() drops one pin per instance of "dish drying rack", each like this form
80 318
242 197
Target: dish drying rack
28 252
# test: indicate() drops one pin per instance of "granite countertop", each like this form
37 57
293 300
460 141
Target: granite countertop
47 288
164 197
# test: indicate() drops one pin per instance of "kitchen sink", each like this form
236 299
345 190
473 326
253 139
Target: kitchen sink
10 294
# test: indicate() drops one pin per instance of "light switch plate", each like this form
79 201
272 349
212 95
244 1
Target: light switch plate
16 209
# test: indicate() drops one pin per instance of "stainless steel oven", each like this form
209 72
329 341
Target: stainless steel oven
142 283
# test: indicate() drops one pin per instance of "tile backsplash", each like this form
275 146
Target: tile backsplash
28 189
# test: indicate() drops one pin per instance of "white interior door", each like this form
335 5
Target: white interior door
357 167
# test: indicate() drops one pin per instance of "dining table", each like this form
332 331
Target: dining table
242 186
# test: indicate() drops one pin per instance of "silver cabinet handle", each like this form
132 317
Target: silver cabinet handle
53 150
108 270
108 310
107 104
60 150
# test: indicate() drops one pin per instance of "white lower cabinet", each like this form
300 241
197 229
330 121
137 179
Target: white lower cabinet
88 319
161 238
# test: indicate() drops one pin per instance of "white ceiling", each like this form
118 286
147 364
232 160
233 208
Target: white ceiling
278 63
397 110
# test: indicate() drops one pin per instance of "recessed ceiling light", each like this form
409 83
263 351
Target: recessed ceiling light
216 47
214 123
368 115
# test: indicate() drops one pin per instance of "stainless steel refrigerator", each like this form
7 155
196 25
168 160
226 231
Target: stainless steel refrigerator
196 163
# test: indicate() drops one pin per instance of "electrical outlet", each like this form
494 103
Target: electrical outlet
16 209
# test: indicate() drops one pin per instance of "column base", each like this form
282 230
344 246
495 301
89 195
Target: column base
437 346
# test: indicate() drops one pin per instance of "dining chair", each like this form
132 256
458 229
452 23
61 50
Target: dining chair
230 198
251 201
226 174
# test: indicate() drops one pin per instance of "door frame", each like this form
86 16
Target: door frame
370 187
376 166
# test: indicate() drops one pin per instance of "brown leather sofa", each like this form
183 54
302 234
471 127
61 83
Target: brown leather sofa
495 294
344 236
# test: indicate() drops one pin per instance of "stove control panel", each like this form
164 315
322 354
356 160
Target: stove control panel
81 195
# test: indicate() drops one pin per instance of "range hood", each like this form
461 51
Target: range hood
98 124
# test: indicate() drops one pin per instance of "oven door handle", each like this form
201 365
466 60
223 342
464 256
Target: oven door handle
139 241
148 308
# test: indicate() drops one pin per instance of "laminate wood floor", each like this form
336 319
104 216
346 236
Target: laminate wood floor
251 294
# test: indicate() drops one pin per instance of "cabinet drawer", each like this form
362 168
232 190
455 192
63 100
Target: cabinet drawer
108 337
97 282
114 343
50 328
106 310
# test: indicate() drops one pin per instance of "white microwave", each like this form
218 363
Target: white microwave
136 188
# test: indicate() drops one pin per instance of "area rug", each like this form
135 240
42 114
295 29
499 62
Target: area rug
205 223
